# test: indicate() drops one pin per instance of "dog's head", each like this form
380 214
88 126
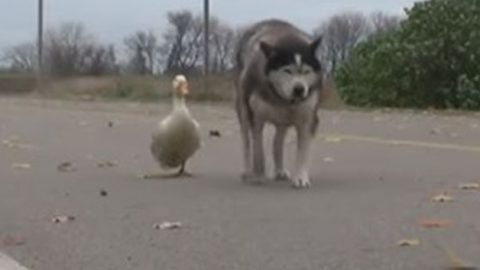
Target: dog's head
293 69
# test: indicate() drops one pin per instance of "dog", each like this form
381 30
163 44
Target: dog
278 81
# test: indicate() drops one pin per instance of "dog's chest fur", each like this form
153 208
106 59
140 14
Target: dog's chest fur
281 114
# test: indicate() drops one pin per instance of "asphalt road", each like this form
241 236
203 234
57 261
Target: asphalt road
374 175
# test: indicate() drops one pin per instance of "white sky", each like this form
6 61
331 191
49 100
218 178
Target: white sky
112 20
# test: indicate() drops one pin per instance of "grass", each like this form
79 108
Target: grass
134 88
17 83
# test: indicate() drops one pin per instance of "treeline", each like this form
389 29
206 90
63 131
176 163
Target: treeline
70 49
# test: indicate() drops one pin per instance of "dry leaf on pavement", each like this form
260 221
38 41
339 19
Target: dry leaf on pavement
21 166
469 186
62 219
103 193
66 167
167 225
328 159
408 242
435 223
107 164
14 144
214 133
442 198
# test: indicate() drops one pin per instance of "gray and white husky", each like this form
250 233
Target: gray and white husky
279 82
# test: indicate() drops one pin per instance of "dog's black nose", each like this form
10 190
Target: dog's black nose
298 91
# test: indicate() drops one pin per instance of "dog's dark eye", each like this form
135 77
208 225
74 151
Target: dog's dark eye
288 71
306 71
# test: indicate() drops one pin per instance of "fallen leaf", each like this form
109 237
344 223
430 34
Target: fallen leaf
15 144
167 226
469 186
214 133
66 167
435 223
10 241
408 242
107 164
442 198
328 159
21 166
62 219
8 143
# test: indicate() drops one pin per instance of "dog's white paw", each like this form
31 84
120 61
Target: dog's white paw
301 181
282 175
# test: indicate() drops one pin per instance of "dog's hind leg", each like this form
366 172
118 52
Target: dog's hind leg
278 148
258 151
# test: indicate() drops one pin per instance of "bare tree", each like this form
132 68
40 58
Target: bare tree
21 58
66 48
382 22
341 33
142 48
181 46
100 60
71 50
222 42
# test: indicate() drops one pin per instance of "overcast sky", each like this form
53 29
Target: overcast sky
112 20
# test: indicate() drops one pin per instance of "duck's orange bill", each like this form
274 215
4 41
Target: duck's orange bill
184 89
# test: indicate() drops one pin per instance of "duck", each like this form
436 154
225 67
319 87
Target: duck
177 136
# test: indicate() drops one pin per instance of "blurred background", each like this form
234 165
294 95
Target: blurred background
394 53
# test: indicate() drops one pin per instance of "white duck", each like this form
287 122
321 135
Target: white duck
177 136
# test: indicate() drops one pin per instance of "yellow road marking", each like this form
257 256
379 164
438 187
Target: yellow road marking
444 146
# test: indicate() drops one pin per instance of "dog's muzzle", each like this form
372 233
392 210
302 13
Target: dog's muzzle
299 92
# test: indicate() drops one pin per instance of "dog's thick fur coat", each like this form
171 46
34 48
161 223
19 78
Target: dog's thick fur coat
279 82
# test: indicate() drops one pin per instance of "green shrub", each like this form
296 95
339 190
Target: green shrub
432 60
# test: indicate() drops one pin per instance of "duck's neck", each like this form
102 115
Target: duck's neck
179 102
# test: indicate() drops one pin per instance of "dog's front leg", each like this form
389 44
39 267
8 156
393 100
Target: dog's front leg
246 132
258 153
278 146
304 139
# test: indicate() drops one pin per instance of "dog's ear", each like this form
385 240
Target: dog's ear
267 49
317 42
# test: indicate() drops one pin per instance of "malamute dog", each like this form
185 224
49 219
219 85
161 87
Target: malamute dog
279 82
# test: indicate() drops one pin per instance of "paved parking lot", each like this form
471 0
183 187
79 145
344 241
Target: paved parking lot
375 176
